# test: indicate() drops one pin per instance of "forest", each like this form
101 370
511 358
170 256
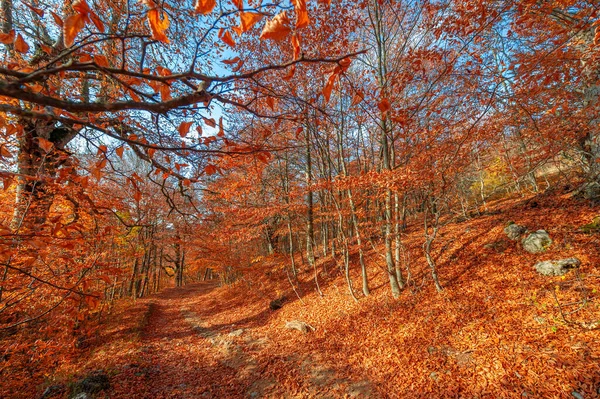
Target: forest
299 199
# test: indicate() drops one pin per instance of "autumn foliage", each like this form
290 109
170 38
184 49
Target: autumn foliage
358 158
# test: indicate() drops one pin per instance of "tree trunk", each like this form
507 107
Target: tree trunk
37 164
310 215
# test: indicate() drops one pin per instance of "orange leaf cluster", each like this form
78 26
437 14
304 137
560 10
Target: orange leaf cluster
75 23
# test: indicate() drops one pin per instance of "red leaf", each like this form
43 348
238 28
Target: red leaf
101 60
21 45
184 128
58 20
45 144
97 21
35 10
210 122
384 105
7 38
210 170
358 98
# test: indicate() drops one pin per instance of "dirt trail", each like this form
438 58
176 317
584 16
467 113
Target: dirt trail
184 355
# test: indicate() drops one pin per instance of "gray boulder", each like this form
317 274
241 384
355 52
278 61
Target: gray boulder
537 242
591 191
514 231
90 385
299 325
556 267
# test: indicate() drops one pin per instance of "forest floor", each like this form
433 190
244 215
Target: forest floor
498 330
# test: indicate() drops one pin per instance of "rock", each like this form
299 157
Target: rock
537 242
298 325
93 383
514 231
236 333
53 391
277 303
498 246
556 267
577 395
591 191
591 228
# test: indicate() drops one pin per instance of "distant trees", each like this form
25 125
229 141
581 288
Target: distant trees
453 102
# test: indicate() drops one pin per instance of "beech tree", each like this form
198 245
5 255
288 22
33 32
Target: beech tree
79 69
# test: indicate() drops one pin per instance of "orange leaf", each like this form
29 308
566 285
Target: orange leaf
4 153
119 151
210 170
71 28
97 21
101 60
329 87
20 45
162 71
221 131
205 7
102 149
165 92
238 3
158 25
277 28
302 18
35 10
58 20
231 61
271 103
151 152
345 64
384 105
7 38
81 7
210 122
137 196
45 144
248 20
296 46
290 73
226 37
358 98
184 128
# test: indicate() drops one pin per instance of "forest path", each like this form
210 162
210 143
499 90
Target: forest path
185 355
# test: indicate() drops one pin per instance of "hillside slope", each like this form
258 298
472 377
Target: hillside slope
498 330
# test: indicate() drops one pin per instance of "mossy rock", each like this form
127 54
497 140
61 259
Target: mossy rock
592 228
91 384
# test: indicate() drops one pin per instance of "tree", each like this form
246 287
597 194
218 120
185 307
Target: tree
104 70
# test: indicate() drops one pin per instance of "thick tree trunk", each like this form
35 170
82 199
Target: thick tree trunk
41 152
